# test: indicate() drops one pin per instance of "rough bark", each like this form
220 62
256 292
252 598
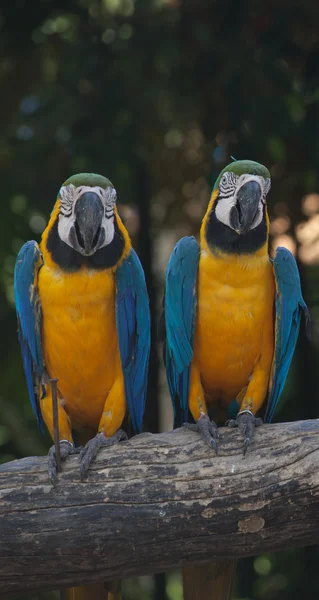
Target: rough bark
157 502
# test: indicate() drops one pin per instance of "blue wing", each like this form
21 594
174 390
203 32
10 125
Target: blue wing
133 330
289 305
180 317
28 307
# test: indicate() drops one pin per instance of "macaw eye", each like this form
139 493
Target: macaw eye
223 180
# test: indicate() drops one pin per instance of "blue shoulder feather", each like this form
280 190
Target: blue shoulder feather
289 305
133 330
180 319
28 307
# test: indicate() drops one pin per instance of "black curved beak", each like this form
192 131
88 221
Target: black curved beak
89 214
244 213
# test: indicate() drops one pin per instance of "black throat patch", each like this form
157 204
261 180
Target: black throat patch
70 260
221 237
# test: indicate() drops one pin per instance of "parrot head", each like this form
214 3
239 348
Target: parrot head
86 219
236 220
85 228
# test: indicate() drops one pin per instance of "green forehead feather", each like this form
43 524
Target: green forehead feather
89 179
244 167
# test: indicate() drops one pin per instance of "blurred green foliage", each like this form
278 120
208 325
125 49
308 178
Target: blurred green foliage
156 95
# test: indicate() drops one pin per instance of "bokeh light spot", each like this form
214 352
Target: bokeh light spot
262 565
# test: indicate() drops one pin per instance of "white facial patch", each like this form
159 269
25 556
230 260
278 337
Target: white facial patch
229 186
69 195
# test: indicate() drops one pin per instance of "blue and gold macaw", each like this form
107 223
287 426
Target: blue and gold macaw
231 318
232 315
83 316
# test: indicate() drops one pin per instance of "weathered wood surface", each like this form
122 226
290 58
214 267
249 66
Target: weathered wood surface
156 502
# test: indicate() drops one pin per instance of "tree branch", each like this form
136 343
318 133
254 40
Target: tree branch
156 502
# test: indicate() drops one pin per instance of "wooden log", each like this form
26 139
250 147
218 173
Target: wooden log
157 502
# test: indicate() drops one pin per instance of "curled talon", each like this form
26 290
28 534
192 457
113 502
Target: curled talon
90 450
207 429
246 423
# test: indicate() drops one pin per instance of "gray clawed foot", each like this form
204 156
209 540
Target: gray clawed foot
91 449
246 423
66 448
207 429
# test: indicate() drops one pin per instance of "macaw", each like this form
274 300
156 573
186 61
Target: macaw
232 315
83 318
231 321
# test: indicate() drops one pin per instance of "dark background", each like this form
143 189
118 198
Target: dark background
157 95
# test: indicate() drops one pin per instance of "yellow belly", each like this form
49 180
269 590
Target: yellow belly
79 339
235 300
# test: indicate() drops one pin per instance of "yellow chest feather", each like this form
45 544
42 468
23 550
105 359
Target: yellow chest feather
79 337
235 301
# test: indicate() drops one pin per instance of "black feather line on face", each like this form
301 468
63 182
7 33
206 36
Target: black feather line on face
69 260
221 237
